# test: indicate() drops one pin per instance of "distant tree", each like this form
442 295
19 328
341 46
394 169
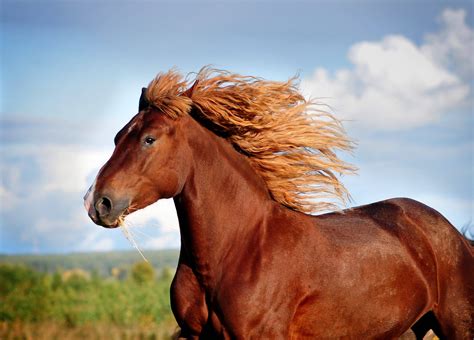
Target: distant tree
167 274
12 277
56 281
74 274
119 273
142 272
24 294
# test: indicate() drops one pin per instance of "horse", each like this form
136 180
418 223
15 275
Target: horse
246 160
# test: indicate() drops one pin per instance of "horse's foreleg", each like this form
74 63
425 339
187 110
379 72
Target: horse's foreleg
188 303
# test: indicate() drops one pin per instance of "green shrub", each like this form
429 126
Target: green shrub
142 272
78 299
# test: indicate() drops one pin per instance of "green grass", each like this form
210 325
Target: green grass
70 304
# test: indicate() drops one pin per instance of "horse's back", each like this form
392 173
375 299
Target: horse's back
419 228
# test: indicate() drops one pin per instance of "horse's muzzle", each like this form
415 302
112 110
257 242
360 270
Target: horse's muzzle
104 210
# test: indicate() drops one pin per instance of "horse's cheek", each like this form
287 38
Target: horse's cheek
171 184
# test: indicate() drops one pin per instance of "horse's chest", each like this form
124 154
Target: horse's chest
229 308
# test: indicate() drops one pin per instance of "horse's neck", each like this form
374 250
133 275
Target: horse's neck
222 201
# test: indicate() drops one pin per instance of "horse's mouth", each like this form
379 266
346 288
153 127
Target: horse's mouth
110 222
119 221
113 225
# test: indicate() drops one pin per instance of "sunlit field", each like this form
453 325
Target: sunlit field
131 301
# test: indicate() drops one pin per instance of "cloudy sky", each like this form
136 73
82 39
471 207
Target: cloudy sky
399 73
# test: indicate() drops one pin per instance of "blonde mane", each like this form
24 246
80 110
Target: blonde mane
288 141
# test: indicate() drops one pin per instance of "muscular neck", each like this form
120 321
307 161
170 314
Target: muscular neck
223 201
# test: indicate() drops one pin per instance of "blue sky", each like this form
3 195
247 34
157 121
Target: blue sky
400 74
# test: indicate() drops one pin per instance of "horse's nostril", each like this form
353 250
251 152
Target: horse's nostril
103 206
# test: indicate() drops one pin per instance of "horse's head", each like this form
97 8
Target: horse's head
149 162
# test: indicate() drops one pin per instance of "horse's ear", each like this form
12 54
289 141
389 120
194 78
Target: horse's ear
189 92
143 103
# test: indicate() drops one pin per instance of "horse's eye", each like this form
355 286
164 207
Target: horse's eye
149 140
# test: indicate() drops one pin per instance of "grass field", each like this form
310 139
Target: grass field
115 300
48 330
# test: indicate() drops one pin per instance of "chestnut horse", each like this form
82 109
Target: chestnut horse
243 157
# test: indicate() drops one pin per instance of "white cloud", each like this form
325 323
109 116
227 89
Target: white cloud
166 241
96 242
8 199
162 211
453 46
396 84
66 168
155 226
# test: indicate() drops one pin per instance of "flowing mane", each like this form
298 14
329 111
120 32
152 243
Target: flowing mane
288 141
